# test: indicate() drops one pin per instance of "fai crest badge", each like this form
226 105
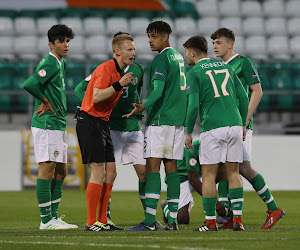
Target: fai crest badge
56 153
134 80
42 73
192 162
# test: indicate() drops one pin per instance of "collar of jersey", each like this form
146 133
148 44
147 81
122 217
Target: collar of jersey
165 49
118 67
231 58
55 57
206 58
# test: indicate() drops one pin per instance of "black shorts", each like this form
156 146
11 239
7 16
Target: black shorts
94 139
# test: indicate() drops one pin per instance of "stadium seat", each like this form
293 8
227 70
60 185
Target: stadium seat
185 9
233 23
180 41
273 8
185 26
6 26
265 103
76 49
278 48
251 8
229 8
138 25
6 48
20 74
295 47
239 45
94 26
143 50
255 47
264 75
25 26
208 25
281 79
43 46
208 8
275 26
6 72
74 23
254 26
293 25
292 8
97 47
44 24
26 48
116 24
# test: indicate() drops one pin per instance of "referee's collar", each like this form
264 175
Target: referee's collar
121 72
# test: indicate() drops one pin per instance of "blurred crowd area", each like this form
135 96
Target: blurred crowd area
266 31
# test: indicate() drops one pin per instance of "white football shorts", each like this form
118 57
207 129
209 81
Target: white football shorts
164 142
247 145
186 196
50 145
221 145
128 147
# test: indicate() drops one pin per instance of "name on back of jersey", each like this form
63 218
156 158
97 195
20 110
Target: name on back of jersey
211 65
175 57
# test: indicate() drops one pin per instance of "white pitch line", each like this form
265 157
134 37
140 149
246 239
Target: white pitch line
101 245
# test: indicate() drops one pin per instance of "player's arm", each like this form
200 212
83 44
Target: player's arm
152 98
192 113
252 78
33 86
243 99
80 89
193 167
100 95
256 96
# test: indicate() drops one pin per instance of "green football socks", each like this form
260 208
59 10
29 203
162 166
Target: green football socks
43 192
152 193
223 194
173 193
263 191
237 201
56 193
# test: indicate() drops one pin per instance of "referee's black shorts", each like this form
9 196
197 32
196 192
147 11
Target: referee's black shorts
94 139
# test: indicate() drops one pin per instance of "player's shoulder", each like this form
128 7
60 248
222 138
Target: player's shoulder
105 66
48 63
244 59
135 65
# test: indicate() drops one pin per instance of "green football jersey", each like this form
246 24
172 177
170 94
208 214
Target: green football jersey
216 85
170 108
131 94
247 73
51 74
190 161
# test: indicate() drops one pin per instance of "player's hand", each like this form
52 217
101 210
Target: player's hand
138 108
188 141
126 79
44 107
244 133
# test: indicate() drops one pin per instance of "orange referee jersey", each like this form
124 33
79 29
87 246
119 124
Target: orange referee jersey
103 77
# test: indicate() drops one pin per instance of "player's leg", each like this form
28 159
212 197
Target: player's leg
141 173
223 201
258 183
173 192
209 197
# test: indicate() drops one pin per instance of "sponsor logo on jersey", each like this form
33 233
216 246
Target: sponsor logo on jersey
134 80
88 78
255 76
42 73
159 73
56 153
192 162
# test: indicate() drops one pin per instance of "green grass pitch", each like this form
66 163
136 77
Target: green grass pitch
19 221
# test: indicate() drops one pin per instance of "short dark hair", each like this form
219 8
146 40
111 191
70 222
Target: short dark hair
198 43
121 33
223 32
159 27
60 31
